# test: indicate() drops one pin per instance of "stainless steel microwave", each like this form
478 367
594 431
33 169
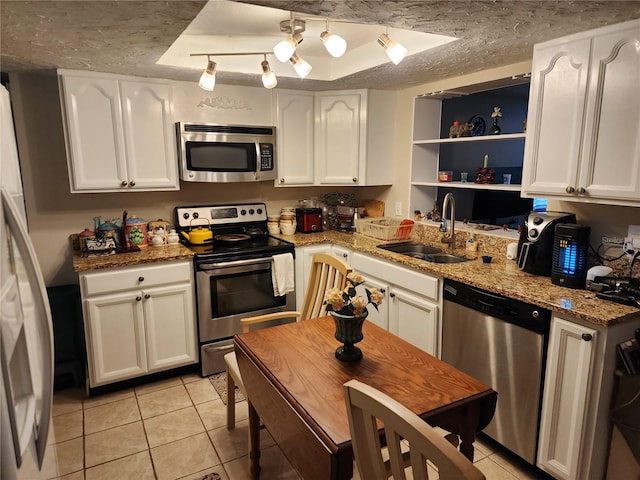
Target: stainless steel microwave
226 153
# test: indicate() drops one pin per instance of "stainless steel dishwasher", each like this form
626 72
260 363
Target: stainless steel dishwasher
501 342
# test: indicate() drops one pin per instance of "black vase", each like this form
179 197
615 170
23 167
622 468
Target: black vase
349 332
495 128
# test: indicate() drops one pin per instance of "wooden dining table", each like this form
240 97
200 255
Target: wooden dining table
294 386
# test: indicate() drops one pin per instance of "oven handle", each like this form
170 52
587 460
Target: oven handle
212 348
235 263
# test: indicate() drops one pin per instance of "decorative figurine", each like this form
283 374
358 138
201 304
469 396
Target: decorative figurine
495 128
485 174
435 213
457 130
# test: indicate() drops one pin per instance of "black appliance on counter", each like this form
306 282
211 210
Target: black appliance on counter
570 249
233 274
625 291
535 246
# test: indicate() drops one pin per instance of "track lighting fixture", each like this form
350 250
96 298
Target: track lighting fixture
269 79
394 50
335 44
286 48
208 78
301 67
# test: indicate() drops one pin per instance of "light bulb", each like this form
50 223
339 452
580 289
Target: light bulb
287 47
301 67
269 79
394 50
335 44
208 78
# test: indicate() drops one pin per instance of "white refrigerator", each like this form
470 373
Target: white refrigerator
26 332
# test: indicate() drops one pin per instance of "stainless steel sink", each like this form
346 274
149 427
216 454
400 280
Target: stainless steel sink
423 252
410 248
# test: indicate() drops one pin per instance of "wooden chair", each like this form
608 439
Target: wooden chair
327 271
366 407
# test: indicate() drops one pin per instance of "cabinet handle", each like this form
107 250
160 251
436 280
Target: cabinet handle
587 337
355 180
141 279
570 189
147 296
282 180
582 191
344 255
132 183
392 295
123 183
383 290
138 298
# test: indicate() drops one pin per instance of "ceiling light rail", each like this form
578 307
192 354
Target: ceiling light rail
208 77
443 94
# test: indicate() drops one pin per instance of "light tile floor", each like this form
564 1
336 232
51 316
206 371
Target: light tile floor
176 429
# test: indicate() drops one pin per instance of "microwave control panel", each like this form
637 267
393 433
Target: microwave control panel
266 157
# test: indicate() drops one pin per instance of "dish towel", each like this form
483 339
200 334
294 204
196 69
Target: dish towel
282 274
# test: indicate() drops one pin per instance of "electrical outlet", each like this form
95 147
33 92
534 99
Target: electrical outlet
399 208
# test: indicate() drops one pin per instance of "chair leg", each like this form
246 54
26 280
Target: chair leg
231 402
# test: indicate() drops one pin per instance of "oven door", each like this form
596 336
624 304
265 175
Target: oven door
229 291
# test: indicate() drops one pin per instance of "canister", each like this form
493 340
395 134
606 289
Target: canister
136 231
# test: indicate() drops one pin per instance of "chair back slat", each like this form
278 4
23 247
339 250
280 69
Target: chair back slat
327 271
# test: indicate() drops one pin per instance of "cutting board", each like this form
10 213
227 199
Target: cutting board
373 208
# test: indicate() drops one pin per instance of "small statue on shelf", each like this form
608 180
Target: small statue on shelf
495 128
435 213
458 130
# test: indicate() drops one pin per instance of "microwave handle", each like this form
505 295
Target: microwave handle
258 161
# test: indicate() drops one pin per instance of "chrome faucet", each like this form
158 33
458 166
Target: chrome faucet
449 235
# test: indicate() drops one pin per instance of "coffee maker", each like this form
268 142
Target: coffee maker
535 246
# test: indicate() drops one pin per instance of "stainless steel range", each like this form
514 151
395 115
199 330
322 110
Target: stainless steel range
233 271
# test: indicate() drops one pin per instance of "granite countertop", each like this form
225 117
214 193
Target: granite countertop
147 254
501 276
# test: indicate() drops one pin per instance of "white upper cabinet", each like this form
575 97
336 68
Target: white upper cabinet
334 138
295 130
583 138
119 133
341 130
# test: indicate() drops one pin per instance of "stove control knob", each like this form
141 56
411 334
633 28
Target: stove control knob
259 211
537 220
243 212
533 233
196 214
185 216
251 211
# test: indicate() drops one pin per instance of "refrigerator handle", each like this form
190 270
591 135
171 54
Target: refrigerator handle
43 317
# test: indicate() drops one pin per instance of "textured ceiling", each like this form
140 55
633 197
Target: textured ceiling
128 37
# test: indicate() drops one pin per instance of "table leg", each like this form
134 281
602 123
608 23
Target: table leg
468 427
254 442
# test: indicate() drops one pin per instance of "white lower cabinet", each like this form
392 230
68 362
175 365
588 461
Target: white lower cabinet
138 320
569 368
379 316
412 301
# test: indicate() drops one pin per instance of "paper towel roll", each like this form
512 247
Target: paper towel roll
512 251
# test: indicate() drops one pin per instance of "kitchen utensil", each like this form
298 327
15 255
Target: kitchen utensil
254 232
198 235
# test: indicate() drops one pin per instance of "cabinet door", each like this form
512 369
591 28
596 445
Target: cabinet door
569 364
611 148
414 319
93 121
295 130
149 136
340 137
556 111
380 317
115 337
169 326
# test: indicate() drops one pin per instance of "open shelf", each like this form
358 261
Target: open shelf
471 185
483 138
